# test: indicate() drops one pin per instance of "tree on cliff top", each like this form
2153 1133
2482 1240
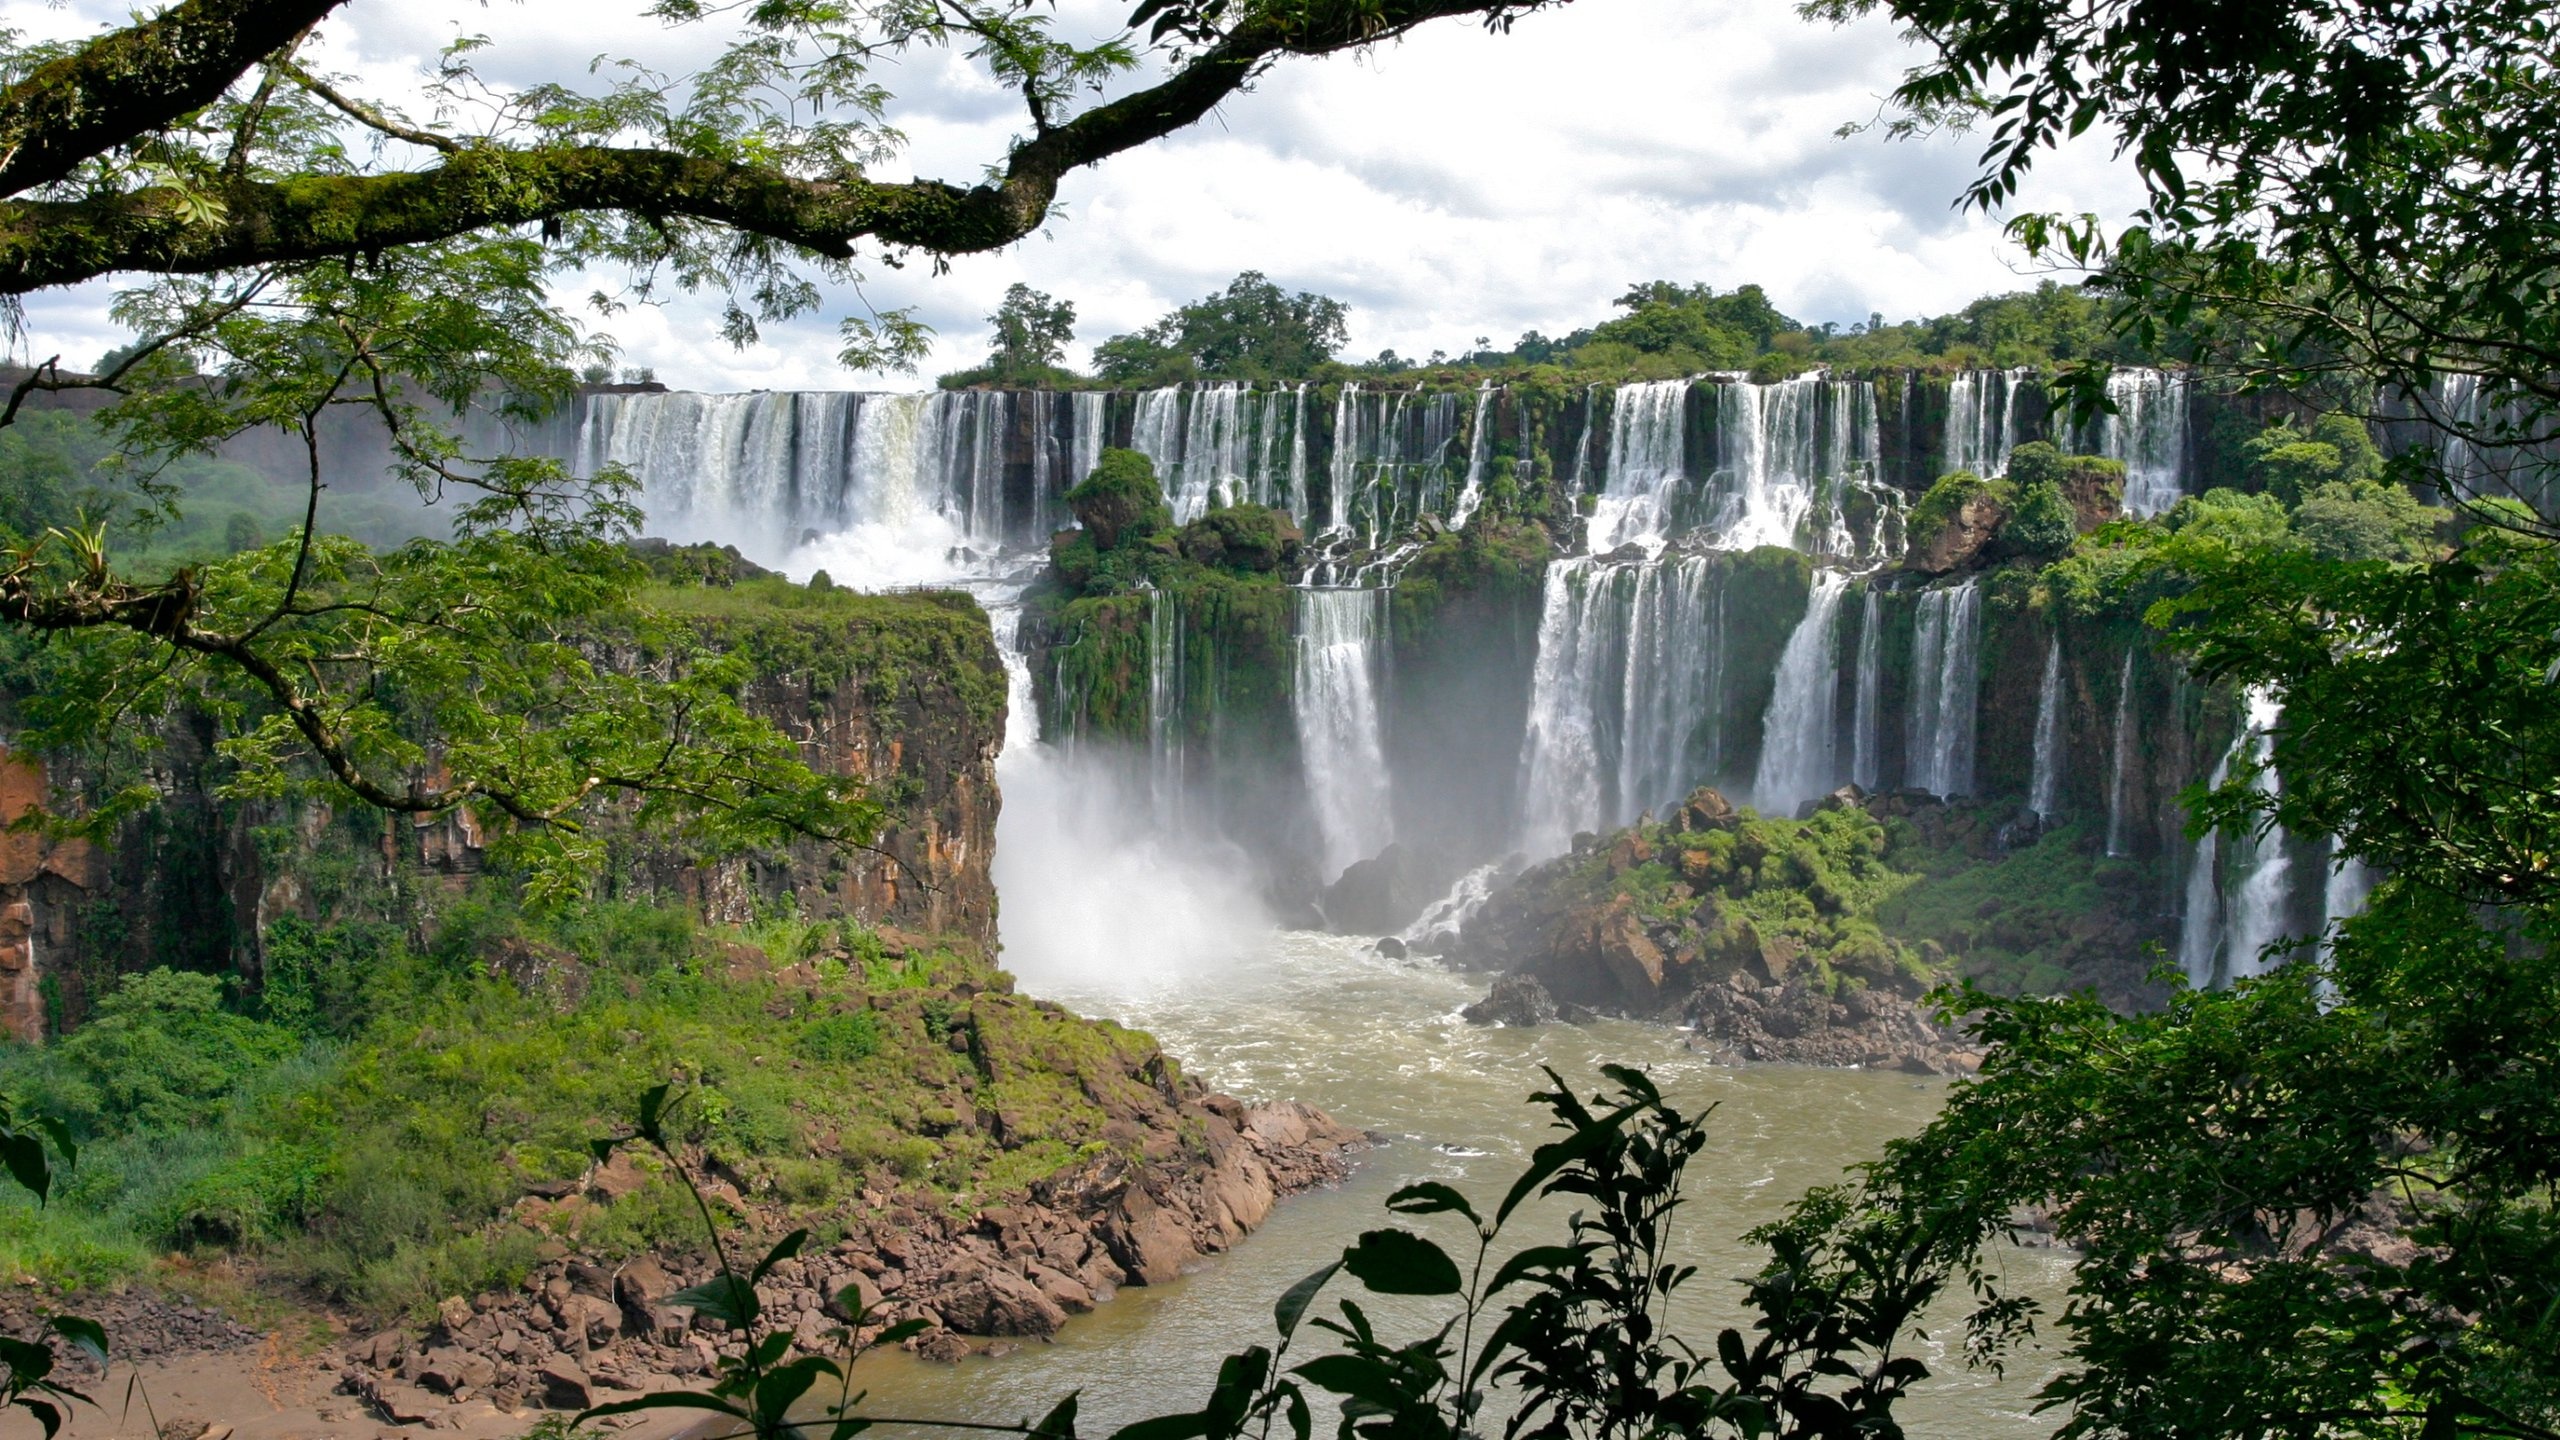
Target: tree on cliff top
1252 330
305 246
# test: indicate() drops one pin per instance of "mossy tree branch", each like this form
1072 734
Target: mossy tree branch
483 184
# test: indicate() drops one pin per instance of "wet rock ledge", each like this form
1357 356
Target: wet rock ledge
580 1331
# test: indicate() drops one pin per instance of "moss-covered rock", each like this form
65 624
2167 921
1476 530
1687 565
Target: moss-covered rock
1245 539
1893 892
1121 502
1954 524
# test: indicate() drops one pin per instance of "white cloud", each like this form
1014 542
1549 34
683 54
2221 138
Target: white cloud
1453 185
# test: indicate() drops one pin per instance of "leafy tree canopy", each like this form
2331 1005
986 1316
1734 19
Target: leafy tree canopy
1252 330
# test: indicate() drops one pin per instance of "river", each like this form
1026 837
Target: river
1378 1042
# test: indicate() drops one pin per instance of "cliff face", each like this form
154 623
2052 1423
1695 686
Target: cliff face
905 691
908 693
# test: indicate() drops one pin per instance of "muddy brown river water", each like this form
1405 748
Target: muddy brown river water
1379 1043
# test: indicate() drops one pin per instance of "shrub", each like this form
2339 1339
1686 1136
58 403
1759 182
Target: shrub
1252 539
1121 502
2367 520
840 1039
2041 525
160 1054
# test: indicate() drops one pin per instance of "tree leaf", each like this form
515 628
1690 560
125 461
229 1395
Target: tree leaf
86 1336
1165 1427
1532 1260
1293 1302
1399 1262
1355 1376
725 1298
1430 1197
783 1249
1060 1422
24 1156
661 1400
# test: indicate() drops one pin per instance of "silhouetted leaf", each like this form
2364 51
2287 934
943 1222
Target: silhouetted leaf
1293 1303
1399 1262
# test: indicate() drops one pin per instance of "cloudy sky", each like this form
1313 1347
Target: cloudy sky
1455 185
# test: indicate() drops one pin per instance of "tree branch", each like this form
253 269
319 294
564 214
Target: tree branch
485 186
368 116
131 82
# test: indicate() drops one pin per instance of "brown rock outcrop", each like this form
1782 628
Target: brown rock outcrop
577 1331
1959 542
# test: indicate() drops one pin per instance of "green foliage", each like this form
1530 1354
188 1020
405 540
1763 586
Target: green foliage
2042 525
2289 464
2317 1202
1938 508
2368 520
1252 330
377 1168
1694 327
2342 196
160 1053
1032 333
840 1039
1121 503
1245 539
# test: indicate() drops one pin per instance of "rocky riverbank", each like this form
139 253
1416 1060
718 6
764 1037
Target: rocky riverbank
1206 1172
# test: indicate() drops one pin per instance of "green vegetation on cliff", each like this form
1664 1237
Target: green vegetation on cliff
1899 894
383 1125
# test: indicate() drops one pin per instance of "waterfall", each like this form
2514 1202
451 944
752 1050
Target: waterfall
977 427
2258 911
1345 469
1479 448
1092 414
1945 675
2044 792
1866 721
2200 926
1156 432
1445 917
751 470
1047 510
1164 707
1982 420
1340 740
2349 886
1625 696
1798 748
2148 432
1646 465
2120 774
1298 455
2209 949
1214 451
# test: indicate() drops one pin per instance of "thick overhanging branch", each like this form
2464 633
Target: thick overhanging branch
131 82
483 185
